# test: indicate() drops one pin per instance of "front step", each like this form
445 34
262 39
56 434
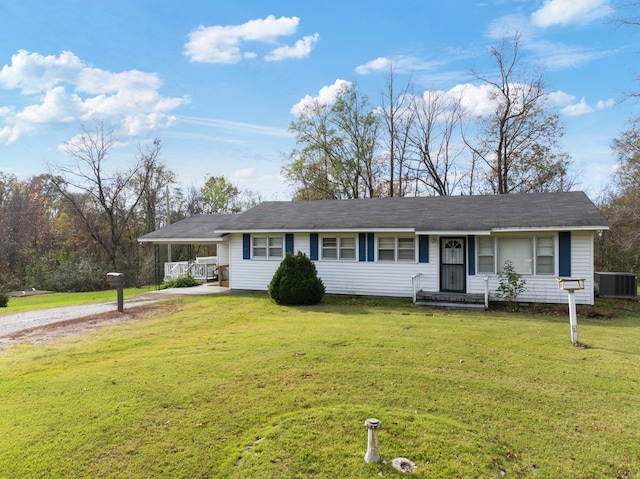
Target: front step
441 305
444 300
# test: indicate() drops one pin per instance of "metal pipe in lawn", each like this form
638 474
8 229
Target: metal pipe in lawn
372 454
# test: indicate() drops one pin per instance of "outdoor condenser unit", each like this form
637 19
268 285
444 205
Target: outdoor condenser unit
616 285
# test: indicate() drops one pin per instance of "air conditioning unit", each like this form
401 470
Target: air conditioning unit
616 285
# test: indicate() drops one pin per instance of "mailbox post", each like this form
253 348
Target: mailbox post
570 285
118 280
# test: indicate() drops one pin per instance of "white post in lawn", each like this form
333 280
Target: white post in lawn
573 319
570 285
372 454
486 292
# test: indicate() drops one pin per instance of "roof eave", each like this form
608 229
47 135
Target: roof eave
512 229
181 240
323 230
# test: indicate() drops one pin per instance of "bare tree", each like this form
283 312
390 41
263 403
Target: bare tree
398 117
518 143
629 14
154 178
432 137
105 201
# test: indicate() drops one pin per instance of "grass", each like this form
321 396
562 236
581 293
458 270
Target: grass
235 386
19 304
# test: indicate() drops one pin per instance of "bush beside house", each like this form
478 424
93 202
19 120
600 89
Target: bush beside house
296 281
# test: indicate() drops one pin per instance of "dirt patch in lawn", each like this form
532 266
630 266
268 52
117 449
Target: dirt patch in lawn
91 323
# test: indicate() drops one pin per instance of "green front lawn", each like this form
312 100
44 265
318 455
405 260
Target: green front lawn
235 386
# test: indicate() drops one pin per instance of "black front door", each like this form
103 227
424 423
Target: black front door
453 265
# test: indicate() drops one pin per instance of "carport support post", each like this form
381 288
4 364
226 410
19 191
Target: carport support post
573 317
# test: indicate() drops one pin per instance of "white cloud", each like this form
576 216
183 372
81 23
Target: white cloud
566 12
557 56
400 64
301 49
222 43
326 96
604 104
57 106
475 99
63 89
139 124
235 127
509 25
379 64
33 73
560 98
242 174
577 109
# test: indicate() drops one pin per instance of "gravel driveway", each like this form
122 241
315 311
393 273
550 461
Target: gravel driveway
13 325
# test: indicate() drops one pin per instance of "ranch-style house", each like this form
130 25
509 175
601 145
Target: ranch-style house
403 246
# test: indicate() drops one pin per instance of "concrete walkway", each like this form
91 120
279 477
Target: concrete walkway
14 323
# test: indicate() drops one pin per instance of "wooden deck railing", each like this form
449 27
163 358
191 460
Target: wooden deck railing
199 270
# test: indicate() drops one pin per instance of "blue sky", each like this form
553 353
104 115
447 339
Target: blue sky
218 81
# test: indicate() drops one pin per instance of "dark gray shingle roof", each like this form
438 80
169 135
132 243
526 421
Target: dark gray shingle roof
441 213
571 210
195 228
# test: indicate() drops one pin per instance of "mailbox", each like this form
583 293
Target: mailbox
115 279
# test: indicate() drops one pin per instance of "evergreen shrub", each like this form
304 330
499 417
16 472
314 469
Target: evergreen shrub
182 281
4 300
296 281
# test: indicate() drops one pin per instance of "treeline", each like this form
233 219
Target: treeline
499 137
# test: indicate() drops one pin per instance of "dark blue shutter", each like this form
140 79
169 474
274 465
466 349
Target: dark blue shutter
423 248
362 247
564 253
313 247
371 247
471 251
246 246
288 243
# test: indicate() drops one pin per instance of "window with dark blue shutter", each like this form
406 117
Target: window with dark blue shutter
313 247
362 247
423 248
288 243
471 251
371 246
564 254
246 246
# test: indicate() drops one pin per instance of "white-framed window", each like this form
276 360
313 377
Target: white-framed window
545 258
529 254
347 248
339 248
267 247
518 250
387 249
396 248
406 249
486 255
